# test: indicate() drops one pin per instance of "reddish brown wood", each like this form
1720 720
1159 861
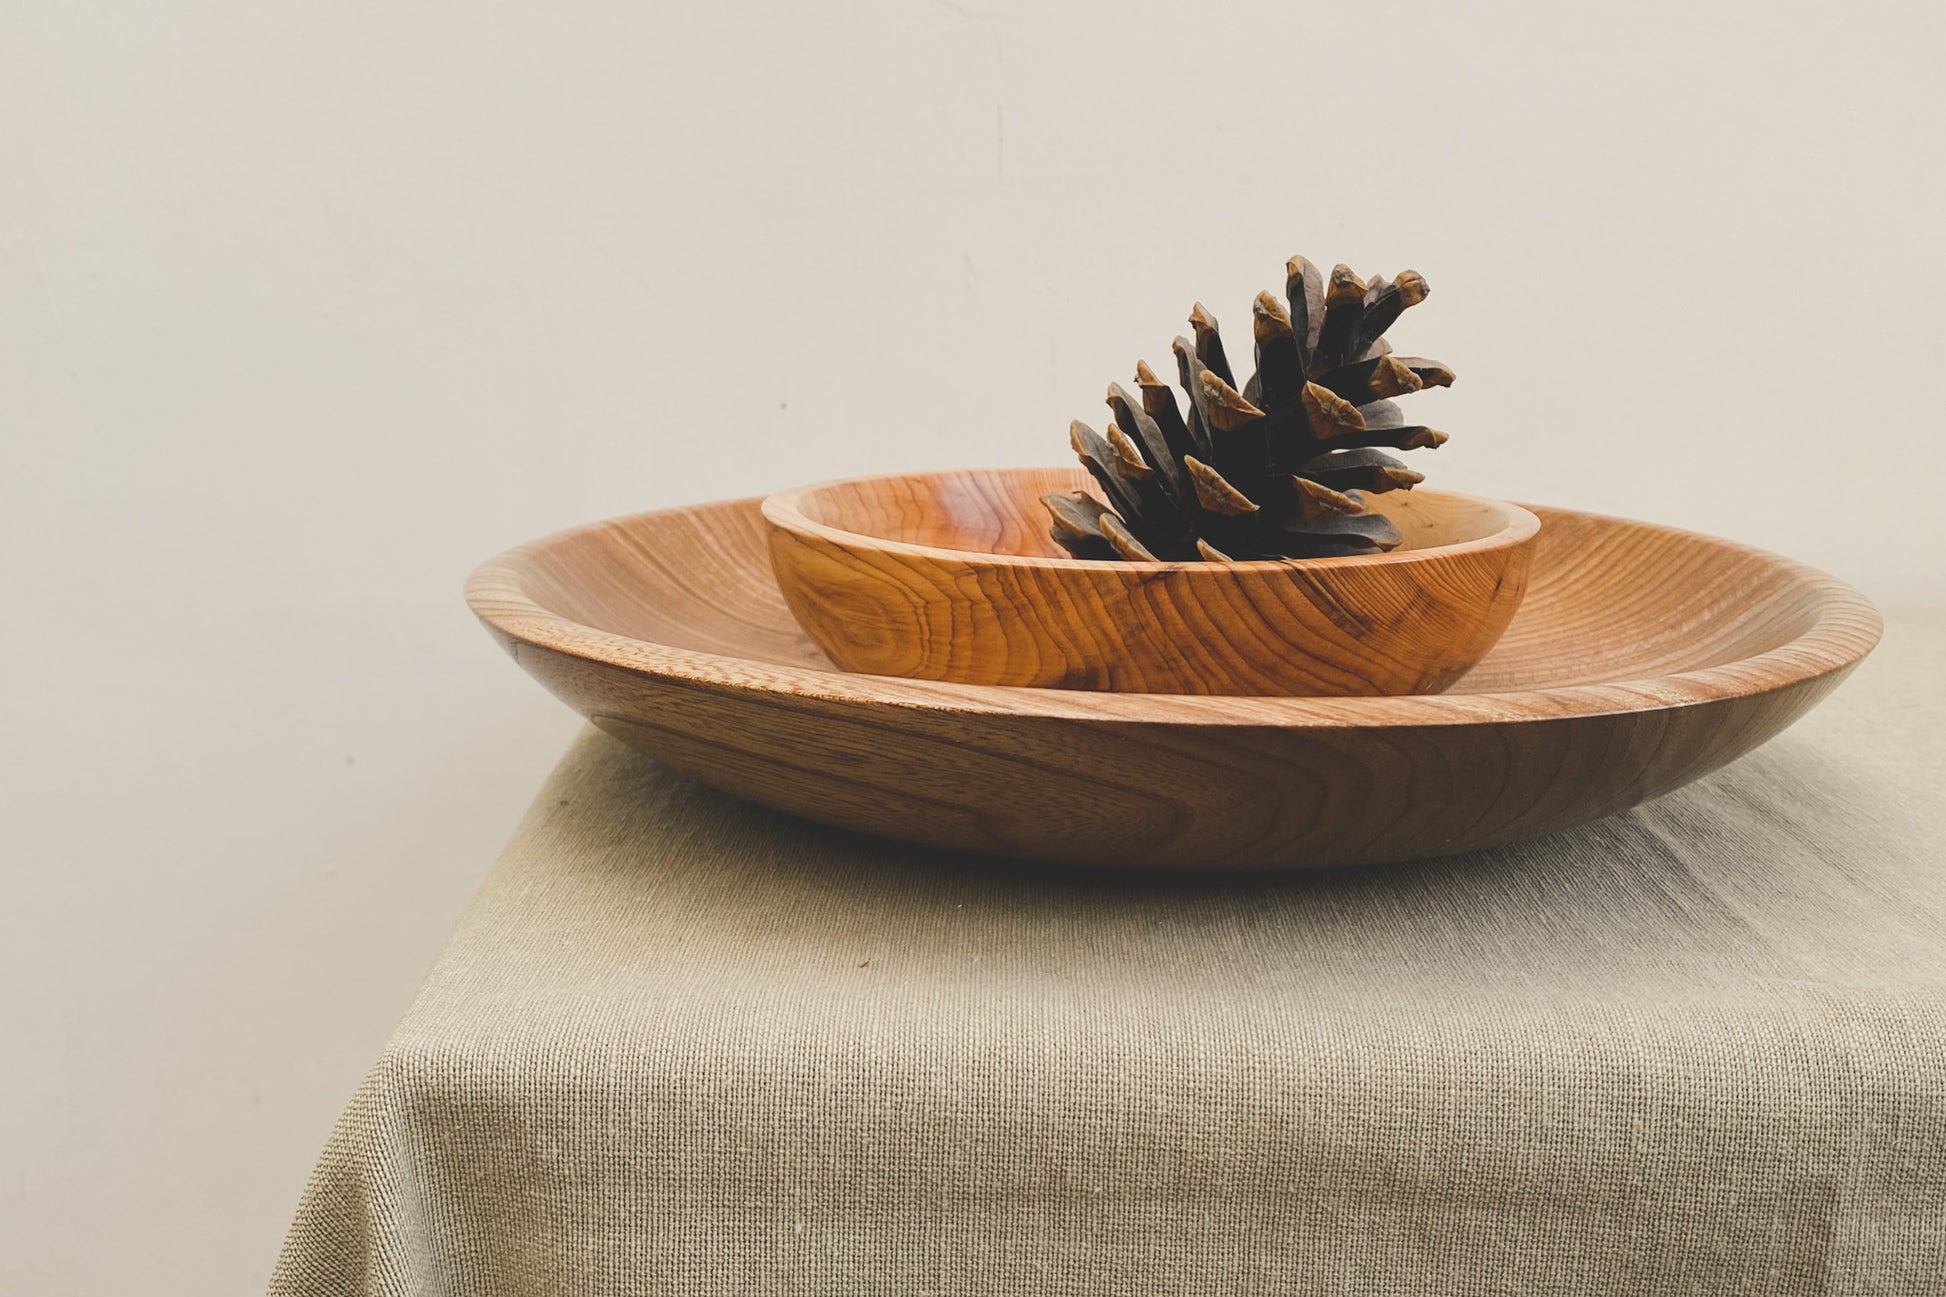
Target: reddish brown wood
953 576
1642 658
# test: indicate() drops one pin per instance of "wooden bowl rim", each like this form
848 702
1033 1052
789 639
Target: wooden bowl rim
1845 629
785 509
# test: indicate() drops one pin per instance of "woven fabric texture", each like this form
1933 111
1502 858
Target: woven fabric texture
682 1045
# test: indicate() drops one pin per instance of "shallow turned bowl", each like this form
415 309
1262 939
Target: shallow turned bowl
953 576
1642 658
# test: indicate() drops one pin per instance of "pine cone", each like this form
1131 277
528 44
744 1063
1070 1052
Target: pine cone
1279 469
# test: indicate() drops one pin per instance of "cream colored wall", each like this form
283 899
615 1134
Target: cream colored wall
305 308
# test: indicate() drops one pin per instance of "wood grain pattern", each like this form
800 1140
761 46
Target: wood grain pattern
954 576
1641 658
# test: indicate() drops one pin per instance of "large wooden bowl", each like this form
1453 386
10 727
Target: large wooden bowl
1641 658
953 576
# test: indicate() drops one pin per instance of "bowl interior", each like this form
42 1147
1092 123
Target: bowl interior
998 511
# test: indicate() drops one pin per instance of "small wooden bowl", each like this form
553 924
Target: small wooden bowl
953 576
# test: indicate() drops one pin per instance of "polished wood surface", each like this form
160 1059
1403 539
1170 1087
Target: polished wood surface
953 576
1641 658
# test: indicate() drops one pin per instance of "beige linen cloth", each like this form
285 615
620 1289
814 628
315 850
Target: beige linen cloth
682 1045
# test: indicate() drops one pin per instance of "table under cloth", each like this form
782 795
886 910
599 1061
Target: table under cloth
680 1044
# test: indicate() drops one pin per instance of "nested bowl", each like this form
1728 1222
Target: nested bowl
952 576
1642 658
